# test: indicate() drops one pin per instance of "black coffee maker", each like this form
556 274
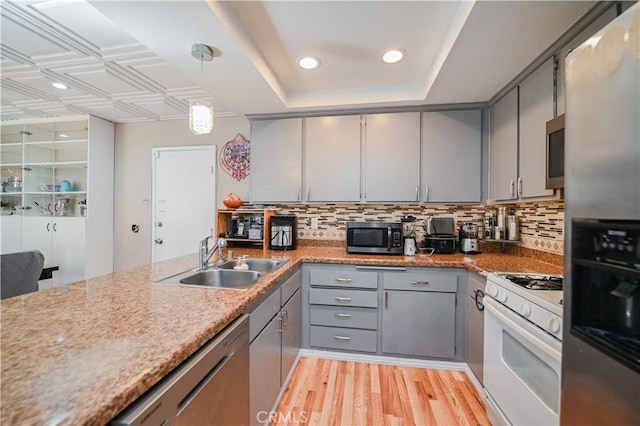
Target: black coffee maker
282 232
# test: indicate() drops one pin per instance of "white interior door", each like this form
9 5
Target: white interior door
184 200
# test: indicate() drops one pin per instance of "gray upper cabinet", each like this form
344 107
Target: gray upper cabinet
276 160
451 156
536 108
332 159
504 148
518 148
392 157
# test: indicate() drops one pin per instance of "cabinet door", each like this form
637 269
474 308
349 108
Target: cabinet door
291 336
536 108
392 157
264 370
69 249
419 323
475 325
451 156
37 234
276 160
11 229
332 159
504 148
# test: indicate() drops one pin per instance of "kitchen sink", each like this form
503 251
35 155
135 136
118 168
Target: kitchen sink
256 264
223 278
218 278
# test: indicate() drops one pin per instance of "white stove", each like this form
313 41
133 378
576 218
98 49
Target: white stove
523 348
538 298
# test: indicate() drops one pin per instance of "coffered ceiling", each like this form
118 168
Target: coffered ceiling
131 61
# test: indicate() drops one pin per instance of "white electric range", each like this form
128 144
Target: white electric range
523 348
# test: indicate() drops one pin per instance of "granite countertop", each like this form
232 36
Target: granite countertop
81 353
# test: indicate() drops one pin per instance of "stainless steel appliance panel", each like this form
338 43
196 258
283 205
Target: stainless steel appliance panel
210 387
602 154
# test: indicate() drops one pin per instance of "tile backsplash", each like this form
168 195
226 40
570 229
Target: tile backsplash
541 223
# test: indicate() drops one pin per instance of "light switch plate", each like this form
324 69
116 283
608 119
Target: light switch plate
314 223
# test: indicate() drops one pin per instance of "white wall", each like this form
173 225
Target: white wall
132 204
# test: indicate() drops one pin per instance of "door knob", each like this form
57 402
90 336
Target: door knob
159 224
158 240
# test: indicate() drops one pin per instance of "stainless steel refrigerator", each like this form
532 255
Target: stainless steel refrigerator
601 336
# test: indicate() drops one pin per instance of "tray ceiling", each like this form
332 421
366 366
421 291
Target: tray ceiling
131 61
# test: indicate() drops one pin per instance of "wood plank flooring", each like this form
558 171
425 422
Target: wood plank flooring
329 392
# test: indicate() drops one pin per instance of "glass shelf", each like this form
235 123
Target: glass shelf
58 164
54 193
44 155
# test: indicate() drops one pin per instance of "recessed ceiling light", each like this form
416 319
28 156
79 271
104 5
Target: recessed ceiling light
62 135
308 62
59 86
392 56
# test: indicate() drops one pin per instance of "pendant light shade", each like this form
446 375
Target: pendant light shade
200 117
201 112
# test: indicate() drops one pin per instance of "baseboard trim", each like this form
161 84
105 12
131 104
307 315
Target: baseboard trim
387 360
474 381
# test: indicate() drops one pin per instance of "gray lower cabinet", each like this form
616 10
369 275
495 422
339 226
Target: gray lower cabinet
475 324
264 370
291 326
394 311
275 333
343 308
419 313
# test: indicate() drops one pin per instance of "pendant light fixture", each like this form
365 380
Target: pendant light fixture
200 111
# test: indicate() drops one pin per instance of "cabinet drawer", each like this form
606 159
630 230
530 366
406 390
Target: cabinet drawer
339 297
289 287
343 338
260 316
336 316
343 278
420 281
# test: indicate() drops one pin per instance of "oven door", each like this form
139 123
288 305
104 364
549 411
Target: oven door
521 368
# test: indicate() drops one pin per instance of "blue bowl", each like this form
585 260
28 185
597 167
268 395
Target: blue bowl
65 186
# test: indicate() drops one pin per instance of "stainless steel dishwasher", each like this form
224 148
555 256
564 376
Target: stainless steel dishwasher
210 388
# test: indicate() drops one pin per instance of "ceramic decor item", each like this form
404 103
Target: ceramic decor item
232 201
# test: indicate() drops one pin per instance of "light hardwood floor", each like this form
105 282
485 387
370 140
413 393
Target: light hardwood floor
328 392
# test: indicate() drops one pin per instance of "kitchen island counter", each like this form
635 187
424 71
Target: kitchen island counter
81 353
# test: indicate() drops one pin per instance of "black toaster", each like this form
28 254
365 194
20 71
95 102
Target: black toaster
441 243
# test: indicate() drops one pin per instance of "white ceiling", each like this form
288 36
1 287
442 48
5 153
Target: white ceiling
131 61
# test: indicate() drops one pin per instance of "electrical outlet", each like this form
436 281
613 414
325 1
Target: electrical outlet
314 223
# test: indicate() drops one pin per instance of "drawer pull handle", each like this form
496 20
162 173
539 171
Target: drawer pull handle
342 299
343 280
338 315
342 337
420 282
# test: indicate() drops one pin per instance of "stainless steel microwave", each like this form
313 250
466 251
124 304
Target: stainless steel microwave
374 237
555 153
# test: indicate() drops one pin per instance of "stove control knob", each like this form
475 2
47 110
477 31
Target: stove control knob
502 296
553 325
492 290
524 310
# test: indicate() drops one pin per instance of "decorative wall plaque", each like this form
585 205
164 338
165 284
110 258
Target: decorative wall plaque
235 158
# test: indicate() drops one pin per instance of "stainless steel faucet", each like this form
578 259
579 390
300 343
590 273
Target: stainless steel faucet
205 254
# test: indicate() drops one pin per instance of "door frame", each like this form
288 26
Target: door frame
154 154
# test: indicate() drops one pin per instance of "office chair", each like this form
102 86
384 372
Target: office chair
19 273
